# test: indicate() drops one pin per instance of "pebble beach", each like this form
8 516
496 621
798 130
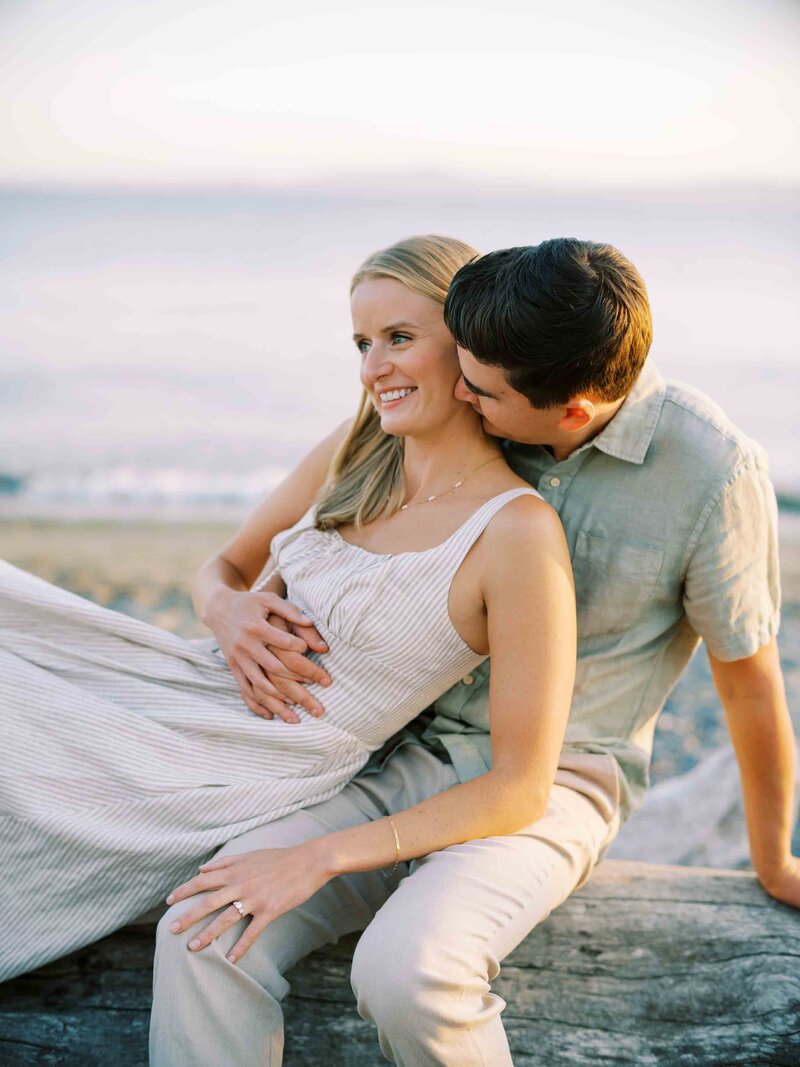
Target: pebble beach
145 567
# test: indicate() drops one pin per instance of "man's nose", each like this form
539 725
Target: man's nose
461 392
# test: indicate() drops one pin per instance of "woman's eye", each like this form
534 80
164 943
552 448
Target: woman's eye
400 338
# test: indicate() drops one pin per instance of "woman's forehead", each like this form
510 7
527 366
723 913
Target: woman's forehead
390 300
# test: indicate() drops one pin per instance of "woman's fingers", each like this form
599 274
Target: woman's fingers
311 637
291 665
298 694
274 697
271 664
203 908
267 695
226 918
248 696
264 699
201 883
252 932
218 863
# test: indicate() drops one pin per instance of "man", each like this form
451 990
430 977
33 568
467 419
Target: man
670 519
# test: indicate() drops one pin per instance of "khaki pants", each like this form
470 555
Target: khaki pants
434 936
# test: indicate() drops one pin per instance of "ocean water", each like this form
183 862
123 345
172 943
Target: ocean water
178 352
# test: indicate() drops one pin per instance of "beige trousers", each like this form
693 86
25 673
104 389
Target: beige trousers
433 937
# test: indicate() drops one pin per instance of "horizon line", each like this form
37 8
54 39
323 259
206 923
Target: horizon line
379 185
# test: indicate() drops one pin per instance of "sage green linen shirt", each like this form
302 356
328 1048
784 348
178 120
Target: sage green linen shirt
671 522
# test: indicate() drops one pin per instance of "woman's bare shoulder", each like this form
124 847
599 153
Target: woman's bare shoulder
524 523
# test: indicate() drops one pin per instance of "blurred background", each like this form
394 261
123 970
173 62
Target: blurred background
187 187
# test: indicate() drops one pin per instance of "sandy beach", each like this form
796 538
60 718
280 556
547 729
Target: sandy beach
145 568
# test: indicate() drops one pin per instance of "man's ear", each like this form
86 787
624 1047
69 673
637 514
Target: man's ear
576 415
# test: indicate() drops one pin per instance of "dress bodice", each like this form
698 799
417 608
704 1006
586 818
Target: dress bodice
391 609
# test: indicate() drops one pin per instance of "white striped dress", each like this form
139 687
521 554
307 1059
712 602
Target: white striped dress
128 756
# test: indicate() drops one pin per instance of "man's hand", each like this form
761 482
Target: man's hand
256 648
785 885
295 670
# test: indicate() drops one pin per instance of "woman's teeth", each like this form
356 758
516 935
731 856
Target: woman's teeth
395 394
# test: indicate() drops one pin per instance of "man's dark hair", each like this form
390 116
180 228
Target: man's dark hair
561 318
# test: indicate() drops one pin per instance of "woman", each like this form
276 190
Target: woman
128 753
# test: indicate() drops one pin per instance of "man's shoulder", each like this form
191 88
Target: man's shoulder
694 424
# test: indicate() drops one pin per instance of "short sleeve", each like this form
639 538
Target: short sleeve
732 589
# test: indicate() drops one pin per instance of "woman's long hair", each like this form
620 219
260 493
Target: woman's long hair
366 476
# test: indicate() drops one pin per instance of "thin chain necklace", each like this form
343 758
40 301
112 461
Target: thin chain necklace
452 489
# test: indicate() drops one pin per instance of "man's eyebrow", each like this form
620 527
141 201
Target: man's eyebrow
475 389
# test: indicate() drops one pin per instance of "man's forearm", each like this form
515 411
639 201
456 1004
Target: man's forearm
754 698
214 583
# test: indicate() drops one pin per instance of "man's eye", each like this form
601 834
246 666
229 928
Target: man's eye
362 346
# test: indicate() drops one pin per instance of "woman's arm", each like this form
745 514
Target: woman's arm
530 606
238 618
528 593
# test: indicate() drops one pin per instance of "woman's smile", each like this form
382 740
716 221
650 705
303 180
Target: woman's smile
392 398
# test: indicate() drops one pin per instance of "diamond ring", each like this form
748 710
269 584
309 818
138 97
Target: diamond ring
240 908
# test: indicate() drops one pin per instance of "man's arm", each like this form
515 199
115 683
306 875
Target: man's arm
754 698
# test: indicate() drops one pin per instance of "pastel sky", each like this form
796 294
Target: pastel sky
632 92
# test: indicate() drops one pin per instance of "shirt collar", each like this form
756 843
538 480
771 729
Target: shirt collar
630 432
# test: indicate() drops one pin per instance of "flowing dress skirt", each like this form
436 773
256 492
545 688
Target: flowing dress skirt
127 758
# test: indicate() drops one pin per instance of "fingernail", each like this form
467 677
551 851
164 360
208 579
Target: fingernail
171 899
195 943
175 927
231 957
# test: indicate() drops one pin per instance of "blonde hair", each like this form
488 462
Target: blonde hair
366 476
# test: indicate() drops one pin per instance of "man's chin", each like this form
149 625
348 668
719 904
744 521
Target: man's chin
490 428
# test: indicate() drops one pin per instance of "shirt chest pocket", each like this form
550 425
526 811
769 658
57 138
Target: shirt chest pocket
613 582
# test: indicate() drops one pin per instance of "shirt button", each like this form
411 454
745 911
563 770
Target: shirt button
555 482
468 679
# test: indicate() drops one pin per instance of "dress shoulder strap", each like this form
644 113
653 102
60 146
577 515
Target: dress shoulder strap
464 538
443 561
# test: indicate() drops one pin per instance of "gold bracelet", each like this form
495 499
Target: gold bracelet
396 845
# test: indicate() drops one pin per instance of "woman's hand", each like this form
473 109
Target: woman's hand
267 883
269 685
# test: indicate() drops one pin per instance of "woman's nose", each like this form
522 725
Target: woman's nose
375 365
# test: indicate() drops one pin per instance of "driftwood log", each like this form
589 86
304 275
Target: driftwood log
645 965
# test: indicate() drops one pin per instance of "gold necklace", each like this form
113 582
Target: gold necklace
452 489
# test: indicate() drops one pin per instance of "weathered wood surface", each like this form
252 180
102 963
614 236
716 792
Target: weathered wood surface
644 965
